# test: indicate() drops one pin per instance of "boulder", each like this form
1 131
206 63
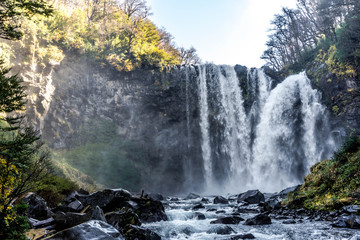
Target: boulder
156 196
221 230
260 219
205 200
289 221
69 219
352 221
252 197
98 214
243 236
149 210
351 209
41 224
192 196
273 204
94 230
284 192
108 199
227 220
199 216
139 233
37 207
122 219
220 200
198 206
76 205
247 210
220 212
211 210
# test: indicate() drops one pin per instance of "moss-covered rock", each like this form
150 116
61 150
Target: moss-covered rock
332 183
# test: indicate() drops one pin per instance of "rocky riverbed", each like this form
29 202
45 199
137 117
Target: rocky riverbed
118 214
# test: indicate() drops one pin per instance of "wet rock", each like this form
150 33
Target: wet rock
76 205
156 196
340 222
108 199
211 210
274 204
221 230
187 230
247 210
69 219
284 192
205 200
122 220
71 197
199 216
93 229
37 207
351 209
352 221
227 220
260 219
252 197
198 206
243 236
289 221
220 200
149 210
174 199
40 224
192 196
220 212
83 192
98 214
139 233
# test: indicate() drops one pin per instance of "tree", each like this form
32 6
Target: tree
13 11
189 56
22 160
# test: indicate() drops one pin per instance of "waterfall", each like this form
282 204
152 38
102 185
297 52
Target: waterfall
204 125
259 136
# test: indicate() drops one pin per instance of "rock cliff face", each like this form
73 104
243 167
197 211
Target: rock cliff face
158 112
151 109
341 94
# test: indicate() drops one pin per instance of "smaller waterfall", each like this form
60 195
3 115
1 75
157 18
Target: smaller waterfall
204 125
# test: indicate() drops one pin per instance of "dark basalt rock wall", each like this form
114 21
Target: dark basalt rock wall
156 110
340 93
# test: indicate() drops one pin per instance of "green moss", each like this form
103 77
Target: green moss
54 189
101 154
333 183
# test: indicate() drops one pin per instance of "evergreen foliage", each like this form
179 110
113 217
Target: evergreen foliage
12 12
23 162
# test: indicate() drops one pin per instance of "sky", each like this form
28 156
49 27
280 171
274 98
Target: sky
222 31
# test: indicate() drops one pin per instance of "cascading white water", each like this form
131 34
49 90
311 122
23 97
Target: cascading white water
204 125
285 146
236 132
269 146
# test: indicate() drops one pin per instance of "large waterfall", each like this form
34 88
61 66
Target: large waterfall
259 133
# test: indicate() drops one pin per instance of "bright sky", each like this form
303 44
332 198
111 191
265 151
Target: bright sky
222 31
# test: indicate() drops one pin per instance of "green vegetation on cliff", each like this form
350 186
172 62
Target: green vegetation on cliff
107 32
316 30
331 183
100 152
